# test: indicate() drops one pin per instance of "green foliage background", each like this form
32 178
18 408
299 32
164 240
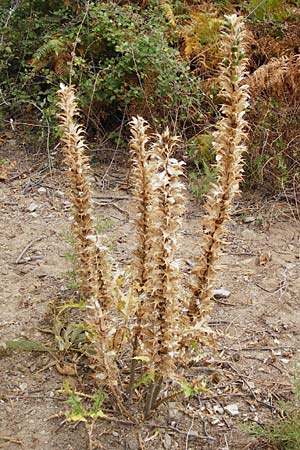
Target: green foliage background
142 57
121 58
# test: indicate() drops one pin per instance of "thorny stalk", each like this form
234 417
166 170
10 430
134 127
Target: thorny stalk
229 148
161 327
141 174
97 286
78 173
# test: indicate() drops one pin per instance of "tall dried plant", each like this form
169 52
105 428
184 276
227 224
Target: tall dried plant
163 318
164 276
95 270
158 196
78 173
229 146
141 174
162 314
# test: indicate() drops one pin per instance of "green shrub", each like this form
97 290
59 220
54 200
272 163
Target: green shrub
120 57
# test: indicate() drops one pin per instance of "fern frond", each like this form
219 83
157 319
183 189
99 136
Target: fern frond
50 48
55 52
168 11
280 77
200 35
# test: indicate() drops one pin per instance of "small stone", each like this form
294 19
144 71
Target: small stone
23 386
173 411
167 441
232 409
215 421
221 293
32 207
285 360
40 272
249 219
59 194
132 444
218 409
249 234
42 190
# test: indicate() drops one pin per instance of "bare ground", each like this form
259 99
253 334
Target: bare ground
257 327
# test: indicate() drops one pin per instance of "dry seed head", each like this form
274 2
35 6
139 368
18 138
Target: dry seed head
94 267
229 148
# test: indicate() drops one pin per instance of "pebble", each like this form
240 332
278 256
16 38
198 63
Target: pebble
218 409
232 409
249 219
32 207
23 386
42 190
132 444
174 414
67 204
167 441
59 194
221 293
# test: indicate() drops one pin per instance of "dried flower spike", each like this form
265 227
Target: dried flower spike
161 328
229 148
78 173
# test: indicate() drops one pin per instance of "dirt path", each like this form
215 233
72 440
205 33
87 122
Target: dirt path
257 327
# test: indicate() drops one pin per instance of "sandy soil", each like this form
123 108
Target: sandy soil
257 327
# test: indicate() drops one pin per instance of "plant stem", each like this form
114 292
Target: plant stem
148 402
157 389
132 370
151 397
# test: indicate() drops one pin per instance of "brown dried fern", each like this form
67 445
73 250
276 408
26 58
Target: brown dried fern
229 147
279 77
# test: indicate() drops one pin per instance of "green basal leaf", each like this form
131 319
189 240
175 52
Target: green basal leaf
98 401
25 345
71 304
73 417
